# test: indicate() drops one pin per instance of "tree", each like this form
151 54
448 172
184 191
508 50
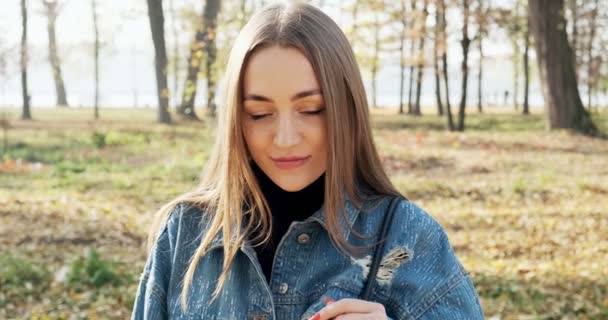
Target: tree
410 107
526 109
553 54
436 49
375 63
380 14
96 56
590 58
52 10
203 46
420 59
157 26
573 37
465 43
401 16
211 52
482 14
176 60
515 28
444 58
586 28
352 32
26 114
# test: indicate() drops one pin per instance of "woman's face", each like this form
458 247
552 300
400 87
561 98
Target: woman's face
284 119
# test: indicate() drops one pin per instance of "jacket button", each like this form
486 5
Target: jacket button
303 238
283 288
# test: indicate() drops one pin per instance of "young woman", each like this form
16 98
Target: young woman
285 220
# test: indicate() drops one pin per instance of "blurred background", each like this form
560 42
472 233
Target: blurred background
490 114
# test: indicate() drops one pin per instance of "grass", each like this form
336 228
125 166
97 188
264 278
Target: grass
525 209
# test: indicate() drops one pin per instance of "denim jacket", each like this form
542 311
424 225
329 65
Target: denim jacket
419 275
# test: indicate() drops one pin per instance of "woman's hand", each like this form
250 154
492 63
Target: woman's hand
351 309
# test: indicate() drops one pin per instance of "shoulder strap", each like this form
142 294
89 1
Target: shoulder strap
373 271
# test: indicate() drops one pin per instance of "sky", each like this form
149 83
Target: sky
127 58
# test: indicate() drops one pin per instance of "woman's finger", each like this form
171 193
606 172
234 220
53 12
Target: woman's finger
350 306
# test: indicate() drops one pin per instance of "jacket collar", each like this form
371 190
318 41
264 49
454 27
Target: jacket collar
351 214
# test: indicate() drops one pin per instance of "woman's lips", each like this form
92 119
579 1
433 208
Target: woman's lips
290 162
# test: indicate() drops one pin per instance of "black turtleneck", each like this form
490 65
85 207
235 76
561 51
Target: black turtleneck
285 208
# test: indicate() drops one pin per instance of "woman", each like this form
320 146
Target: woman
284 222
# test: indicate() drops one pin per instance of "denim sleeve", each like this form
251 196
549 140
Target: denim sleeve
460 302
430 282
151 299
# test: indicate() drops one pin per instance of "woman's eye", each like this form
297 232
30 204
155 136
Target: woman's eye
314 111
258 116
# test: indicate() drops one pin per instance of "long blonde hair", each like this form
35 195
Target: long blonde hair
227 182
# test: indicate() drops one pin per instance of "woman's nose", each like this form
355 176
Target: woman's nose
286 134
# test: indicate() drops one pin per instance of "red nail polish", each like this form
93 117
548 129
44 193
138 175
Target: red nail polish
328 300
316 317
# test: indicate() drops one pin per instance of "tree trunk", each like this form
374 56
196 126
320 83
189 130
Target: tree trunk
26 114
194 67
444 59
410 107
353 37
516 54
211 50
375 60
176 54
562 100
515 76
436 62
481 14
480 76
157 26
204 43
421 60
526 67
574 35
96 57
590 65
51 12
465 42
402 56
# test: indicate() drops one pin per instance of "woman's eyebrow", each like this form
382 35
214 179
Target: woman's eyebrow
296 96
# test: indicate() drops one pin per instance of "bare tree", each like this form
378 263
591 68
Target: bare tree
482 14
444 58
52 10
402 14
590 57
410 106
96 56
465 43
573 6
157 26
375 63
526 109
176 60
202 47
352 32
436 50
515 32
211 52
26 114
421 60
553 54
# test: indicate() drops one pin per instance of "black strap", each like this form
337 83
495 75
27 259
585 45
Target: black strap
373 271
